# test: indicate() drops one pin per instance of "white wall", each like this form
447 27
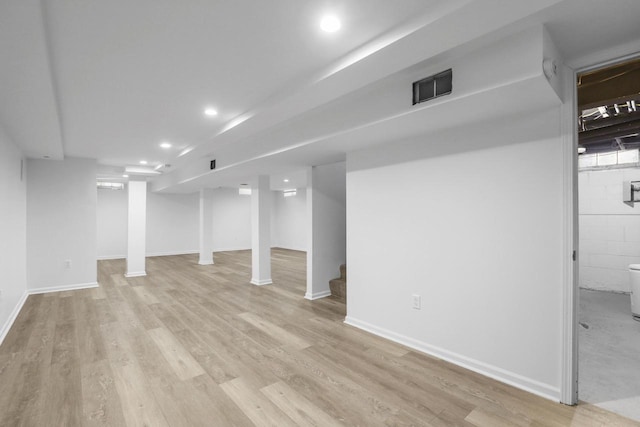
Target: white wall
231 220
290 220
173 223
326 227
471 221
112 224
13 232
609 230
61 223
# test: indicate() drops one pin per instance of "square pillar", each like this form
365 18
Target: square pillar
261 232
206 226
137 229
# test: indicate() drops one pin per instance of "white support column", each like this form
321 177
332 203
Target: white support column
309 292
261 232
206 226
137 229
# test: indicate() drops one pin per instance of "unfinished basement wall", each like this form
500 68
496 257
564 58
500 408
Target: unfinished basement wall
609 229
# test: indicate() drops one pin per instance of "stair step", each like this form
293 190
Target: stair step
339 289
343 272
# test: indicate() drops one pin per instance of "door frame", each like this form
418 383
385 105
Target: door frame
570 253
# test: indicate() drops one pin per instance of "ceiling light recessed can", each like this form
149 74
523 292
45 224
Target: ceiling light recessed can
125 176
210 112
165 145
286 180
143 162
330 23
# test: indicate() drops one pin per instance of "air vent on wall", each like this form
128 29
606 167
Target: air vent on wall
432 87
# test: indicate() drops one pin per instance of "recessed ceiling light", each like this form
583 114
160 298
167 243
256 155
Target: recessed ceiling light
125 176
165 145
143 162
330 23
286 180
211 112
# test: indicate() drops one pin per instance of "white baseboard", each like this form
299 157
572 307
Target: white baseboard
289 248
136 274
317 295
261 282
171 253
231 249
108 257
205 263
13 316
532 386
63 288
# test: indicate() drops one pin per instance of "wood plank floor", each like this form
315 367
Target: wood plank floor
192 345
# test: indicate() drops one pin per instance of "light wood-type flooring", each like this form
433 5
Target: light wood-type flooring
192 345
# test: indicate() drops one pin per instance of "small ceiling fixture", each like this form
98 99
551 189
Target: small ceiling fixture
582 149
143 162
210 112
165 145
330 23
244 190
286 180
125 176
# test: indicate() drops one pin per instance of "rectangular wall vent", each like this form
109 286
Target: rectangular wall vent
432 87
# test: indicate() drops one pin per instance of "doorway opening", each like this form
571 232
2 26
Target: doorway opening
609 236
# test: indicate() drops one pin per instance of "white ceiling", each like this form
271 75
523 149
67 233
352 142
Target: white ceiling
110 80
131 74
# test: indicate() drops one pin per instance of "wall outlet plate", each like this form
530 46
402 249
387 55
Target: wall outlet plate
416 301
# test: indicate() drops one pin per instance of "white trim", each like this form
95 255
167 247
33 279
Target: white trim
603 58
135 274
569 346
108 257
231 249
62 288
13 316
290 248
171 253
261 282
318 295
532 386
206 263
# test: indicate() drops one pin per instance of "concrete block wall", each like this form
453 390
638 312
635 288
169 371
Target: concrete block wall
609 229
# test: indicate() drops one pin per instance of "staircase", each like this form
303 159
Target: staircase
339 286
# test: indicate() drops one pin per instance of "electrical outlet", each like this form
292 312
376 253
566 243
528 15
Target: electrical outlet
67 263
416 301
